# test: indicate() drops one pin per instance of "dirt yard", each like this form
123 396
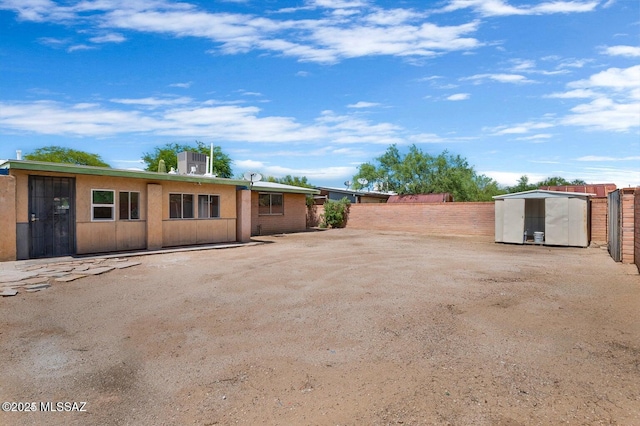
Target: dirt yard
339 327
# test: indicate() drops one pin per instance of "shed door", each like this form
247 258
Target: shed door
556 221
513 224
51 216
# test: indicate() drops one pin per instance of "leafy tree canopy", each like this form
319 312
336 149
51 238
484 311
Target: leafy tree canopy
524 185
420 173
58 154
169 153
291 180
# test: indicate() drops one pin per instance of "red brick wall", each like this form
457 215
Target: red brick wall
636 236
599 214
628 222
293 219
438 219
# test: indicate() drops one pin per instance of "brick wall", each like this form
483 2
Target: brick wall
628 224
599 214
636 236
293 219
438 219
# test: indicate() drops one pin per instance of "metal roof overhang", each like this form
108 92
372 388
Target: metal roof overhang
540 193
39 166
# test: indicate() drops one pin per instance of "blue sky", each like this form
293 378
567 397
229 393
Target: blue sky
317 87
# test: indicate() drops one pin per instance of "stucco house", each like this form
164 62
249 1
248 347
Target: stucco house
52 209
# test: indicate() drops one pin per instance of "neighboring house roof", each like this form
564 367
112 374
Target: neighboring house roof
354 192
599 190
541 193
39 166
421 198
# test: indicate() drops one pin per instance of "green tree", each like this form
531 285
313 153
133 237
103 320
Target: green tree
291 180
169 153
420 173
58 154
560 181
524 185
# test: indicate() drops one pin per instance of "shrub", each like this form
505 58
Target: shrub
336 213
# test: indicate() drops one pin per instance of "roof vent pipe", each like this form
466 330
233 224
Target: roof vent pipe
18 154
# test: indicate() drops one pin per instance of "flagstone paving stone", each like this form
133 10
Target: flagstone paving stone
31 278
68 278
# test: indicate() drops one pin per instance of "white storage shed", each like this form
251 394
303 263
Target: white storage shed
543 217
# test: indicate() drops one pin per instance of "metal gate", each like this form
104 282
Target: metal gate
614 240
51 216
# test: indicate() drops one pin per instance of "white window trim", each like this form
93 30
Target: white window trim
112 206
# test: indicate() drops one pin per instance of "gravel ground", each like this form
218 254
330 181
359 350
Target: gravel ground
340 327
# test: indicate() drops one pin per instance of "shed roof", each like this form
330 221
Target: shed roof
541 193
39 166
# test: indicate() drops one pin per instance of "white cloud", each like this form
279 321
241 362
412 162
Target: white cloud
152 102
80 47
573 94
517 129
629 51
501 78
605 159
355 29
616 101
536 138
459 97
511 178
320 173
183 117
612 78
108 38
185 85
363 104
501 8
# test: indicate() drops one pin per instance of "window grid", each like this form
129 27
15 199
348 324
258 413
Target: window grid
103 205
129 205
270 204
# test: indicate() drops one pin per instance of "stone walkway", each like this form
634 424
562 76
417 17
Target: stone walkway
30 278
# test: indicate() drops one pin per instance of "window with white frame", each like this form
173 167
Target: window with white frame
103 204
208 206
129 205
181 206
270 203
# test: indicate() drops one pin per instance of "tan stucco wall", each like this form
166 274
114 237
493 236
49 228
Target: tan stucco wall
154 216
105 236
7 218
117 235
177 232
243 212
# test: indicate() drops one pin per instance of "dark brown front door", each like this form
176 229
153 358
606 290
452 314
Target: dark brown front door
52 221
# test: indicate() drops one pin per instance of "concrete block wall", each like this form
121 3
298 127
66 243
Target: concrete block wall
599 214
436 219
628 224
